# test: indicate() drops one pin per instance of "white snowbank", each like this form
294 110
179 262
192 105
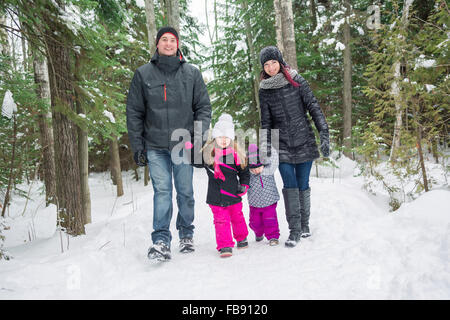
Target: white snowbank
430 209
358 250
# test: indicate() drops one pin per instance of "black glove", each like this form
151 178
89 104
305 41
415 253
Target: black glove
242 189
140 157
324 143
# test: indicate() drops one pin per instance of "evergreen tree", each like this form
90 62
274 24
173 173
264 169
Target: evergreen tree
424 106
232 89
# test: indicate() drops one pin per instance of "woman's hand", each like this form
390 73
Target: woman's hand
257 171
324 144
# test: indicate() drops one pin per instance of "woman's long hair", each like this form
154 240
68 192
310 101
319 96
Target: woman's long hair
285 71
208 151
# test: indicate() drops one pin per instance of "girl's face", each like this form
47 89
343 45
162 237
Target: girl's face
223 142
272 67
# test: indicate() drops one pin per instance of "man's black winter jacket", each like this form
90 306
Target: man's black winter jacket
165 94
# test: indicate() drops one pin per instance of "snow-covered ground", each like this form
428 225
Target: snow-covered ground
358 250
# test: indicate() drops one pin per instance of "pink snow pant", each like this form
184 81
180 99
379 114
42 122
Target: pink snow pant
224 219
263 221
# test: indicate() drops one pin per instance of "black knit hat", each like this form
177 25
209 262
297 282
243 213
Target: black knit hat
164 30
271 53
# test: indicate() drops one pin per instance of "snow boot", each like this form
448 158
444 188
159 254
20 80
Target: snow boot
292 240
273 242
259 239
226 252
242 244
305 208
159 252
293 215
187 245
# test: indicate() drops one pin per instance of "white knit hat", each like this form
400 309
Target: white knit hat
224 127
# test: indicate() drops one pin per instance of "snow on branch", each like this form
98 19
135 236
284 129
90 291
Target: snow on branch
9 106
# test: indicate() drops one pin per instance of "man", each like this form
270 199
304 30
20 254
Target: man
167 94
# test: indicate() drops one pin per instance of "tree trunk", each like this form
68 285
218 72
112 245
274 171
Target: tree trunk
312 7
4 47
278 25
215 21
4 50
434 149
176 16
151 25
69 200
12 54
24 50
395 87
115 165
11 167
253 60
44 118
420 151
395 91
173 15
136 174
83 154
287 21
45 126
347 94
146 175
163 5
214 35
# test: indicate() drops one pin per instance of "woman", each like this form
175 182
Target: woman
285 98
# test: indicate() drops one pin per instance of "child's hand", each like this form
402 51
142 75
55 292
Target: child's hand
242 190
257 171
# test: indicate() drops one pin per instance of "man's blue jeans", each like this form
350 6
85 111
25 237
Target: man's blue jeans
295 175
161 171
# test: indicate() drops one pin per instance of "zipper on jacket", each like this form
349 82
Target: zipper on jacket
165 93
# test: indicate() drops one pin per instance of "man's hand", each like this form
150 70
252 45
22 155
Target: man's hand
140 157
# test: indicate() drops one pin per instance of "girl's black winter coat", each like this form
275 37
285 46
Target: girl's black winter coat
225 193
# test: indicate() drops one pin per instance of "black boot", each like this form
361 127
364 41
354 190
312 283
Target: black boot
292 206
305 204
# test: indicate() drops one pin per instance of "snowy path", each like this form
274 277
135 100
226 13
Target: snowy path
358 251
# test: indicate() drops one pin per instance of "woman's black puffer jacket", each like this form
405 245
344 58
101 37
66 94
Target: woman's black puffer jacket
285 109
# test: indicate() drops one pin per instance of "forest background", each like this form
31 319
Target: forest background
379 69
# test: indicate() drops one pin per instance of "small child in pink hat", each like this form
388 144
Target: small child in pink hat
263 195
